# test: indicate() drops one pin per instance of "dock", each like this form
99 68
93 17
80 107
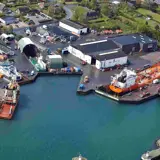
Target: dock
107 95
150 155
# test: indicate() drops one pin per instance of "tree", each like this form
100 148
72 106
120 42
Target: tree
142 28
105 9
93 4
157 27
51 10
10 29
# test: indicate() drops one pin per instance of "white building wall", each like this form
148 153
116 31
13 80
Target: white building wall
111 62
98 64
76 52
87 59
84 30
69 28
79 54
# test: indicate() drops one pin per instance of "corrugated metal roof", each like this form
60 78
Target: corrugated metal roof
24 42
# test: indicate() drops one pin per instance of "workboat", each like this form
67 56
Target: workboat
10 71
151 155
129 80
9 100
79 158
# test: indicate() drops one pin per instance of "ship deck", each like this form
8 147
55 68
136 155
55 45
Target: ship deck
152 154
5 111
135 96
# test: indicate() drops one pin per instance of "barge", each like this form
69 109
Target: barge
9 100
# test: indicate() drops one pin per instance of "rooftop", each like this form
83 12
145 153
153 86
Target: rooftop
3 47
2 6
133 38
110 55
97 47
24 9
72 23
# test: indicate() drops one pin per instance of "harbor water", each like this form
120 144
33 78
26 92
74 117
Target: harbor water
53 123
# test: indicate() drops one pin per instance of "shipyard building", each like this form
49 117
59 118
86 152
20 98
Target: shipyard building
102 54
73 27
28 47
135 43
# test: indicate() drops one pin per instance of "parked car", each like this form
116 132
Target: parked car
83 62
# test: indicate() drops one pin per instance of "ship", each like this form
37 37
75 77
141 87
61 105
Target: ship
151 155
9 100
79 158
129 80
10 71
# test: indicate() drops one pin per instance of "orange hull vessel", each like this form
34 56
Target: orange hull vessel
9 101
143 78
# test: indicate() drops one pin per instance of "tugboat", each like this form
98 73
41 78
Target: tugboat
79 158
9 100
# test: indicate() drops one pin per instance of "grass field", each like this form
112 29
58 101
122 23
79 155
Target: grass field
146 13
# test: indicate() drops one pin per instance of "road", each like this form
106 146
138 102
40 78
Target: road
68 10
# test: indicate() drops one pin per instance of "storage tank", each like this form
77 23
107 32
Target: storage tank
54 61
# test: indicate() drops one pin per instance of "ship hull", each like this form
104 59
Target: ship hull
141 81
8 108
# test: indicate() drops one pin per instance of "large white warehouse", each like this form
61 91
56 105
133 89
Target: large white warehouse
73 27
102 54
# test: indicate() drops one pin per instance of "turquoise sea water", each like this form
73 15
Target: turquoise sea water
53 123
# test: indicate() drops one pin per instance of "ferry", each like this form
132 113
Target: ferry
9 100
129 80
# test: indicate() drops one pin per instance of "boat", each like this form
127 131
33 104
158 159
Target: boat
151 155
9 100
129 80
10 71
79 158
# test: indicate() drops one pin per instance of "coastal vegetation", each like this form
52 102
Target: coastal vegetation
130 19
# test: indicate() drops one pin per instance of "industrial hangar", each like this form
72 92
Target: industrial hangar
28 47
135 43
102 54
73 27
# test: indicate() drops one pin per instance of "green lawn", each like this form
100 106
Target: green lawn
80 9
146 12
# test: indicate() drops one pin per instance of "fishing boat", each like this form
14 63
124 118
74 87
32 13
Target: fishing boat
9 100
79 158
129 80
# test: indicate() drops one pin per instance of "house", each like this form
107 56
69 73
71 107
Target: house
73 27
102 54
136 43
92 15
33 12
8 20
2 7
22 10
